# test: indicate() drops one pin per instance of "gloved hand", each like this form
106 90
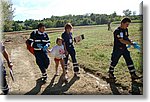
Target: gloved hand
45 48
128 46
134 43
39 46
136 46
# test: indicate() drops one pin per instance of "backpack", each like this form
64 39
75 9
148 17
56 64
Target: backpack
29 47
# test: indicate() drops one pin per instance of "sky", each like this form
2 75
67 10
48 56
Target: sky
39 9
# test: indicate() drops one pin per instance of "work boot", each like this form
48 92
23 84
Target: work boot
112 76
44 77
76 74
5 91
134 76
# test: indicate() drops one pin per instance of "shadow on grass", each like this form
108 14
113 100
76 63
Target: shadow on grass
115 87
136 86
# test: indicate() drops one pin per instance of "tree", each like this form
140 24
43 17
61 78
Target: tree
134 13
93 17
7 15
48 23
60 23
86 21
98 20
113 15
16 27
127 12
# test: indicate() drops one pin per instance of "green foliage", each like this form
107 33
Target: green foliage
17 27
127 12
76 20
7 13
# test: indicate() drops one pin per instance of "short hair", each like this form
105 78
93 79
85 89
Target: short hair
124 20
59 38
40 25
68 25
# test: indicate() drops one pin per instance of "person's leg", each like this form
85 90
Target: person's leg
62 65
108 28
40 63
130 64
4 85
74 61
114 60
56 67
46 60
66 63
65 75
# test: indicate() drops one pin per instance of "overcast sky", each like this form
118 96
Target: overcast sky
39 9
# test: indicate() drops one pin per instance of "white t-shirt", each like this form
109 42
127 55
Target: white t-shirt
58 51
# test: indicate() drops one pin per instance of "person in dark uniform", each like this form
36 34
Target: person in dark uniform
39 40
109 26
69 48
120 49
3 81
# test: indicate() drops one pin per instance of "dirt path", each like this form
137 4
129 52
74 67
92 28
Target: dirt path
26 73
27 77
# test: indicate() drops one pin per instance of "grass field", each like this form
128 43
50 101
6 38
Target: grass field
94 52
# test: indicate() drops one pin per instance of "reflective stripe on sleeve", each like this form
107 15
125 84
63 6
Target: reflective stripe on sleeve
41 40
37 49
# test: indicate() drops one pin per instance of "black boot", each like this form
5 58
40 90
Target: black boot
44 77
134 76
5 91
111 75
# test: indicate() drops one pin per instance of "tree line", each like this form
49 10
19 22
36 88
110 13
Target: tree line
60 21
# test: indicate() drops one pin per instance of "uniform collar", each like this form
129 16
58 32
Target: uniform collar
41 33
67 33
122 28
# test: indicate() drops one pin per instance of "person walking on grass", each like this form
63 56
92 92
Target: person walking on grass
58 52
3 81
109 26
39 40
119 49
69 48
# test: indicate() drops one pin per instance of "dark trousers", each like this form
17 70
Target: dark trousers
4 85
116 56
72 53
42 60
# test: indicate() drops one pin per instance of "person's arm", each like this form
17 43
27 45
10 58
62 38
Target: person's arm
48 43
66 52
52 51
6 56
129 42
119 36
31 38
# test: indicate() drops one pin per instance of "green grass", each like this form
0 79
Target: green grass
94 52
133 21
